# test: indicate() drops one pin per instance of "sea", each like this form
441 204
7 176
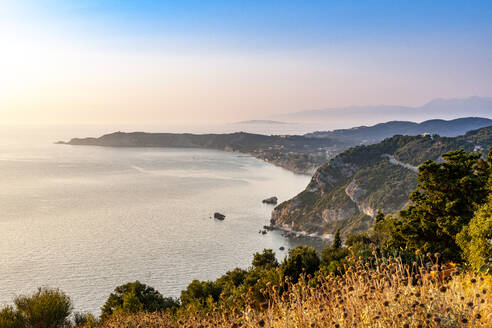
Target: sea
86 219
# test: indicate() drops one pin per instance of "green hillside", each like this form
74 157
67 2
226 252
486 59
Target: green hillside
347 191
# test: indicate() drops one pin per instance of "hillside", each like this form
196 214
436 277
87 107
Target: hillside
378 132
347 191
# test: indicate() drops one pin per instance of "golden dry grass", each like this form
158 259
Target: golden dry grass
390 294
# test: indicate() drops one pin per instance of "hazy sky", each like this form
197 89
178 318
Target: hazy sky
174 62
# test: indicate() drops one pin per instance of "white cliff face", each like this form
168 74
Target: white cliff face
356 194
337 214
354 191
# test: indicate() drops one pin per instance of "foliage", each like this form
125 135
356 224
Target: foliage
200 294
301 260
11 318
386 294
337 240
87 320
46 308
265 260
333 256
134 297
443 204
476 239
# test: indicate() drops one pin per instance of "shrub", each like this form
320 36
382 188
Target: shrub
134 297
476 239
301 260
265 260
11 318
47 308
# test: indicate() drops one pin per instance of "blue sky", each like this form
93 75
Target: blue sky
416 50
276 24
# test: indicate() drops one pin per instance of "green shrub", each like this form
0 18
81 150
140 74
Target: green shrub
47 308
11 318
265 260
476 239
134 297
301 260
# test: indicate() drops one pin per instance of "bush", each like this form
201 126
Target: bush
47 308
476 239
200 294
10 318
265 260
135 297
301 260
85 320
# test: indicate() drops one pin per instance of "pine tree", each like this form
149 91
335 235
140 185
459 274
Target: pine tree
446 198
379 216
337 241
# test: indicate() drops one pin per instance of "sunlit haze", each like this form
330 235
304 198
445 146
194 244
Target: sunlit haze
199 62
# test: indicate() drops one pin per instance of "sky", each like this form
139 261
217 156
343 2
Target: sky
204 62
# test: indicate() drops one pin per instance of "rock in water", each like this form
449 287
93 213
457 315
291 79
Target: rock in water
219 216
272 200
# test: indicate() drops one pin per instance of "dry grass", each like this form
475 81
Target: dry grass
388 294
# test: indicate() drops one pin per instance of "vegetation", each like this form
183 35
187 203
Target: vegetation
381 294
346 192
447 197
46 308
134 297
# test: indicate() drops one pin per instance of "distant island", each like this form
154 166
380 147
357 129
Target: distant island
262 122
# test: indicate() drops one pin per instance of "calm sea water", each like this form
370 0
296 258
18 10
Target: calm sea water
87 219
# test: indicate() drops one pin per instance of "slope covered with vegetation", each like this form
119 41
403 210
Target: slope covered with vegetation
347 191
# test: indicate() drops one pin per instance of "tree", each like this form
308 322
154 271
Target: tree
47 308
476 239
337 240
200 293
11 318
134 297
301 260
265 260
258 280
446 198
379 216
332 256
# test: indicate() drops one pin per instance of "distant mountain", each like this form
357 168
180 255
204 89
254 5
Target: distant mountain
260 122
347 191
365 115
378 132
